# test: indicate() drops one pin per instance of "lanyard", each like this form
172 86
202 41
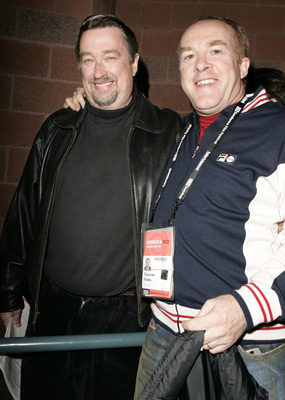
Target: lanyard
186 187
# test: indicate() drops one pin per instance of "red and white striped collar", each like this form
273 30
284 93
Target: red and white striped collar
260 99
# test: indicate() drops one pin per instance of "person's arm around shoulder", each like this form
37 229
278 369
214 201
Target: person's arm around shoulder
76 101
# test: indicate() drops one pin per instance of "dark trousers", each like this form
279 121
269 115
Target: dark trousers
85 374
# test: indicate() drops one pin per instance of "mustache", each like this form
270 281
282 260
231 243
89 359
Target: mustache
102 80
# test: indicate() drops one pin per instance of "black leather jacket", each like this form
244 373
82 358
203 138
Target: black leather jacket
26 228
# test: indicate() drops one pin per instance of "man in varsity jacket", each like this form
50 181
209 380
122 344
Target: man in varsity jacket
223 194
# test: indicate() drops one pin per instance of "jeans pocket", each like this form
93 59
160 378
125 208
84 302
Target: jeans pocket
266 363
261 351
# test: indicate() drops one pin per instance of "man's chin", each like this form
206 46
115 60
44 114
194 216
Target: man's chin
101 102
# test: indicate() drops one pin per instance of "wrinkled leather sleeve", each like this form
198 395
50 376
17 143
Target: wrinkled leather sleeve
19 228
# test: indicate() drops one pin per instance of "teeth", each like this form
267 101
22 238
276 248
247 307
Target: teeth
103 84
206 81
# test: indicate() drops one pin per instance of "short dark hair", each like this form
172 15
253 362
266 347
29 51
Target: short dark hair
272 79
104 21
242 38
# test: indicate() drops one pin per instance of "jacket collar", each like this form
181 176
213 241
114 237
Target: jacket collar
146 117
71 119
257 99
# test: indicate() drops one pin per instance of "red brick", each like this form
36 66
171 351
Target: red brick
42 26
64 65
22 58
269 47
244 16
16 161
38 4
171 96
138 33
131 13
157 68
155 42
74 7
8 20
220 10
272 2
156 15
6 86
109 6
270 19
174 41
40 96
174 74
270 64
6 194
19 129
104 7
184 14
3 163
232 1
251 38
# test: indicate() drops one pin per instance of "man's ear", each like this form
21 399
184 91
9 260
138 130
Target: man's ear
244 66
135 63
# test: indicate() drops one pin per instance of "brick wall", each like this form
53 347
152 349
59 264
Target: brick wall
159 25
37 72
38 68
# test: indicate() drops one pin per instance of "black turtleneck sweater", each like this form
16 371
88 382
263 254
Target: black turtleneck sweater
90 250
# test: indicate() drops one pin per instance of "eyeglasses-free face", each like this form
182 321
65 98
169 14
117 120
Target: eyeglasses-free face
107 72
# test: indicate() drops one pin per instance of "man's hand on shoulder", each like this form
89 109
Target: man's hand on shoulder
223 321
76 101
16 315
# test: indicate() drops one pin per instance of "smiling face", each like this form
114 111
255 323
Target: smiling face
106 70
210 70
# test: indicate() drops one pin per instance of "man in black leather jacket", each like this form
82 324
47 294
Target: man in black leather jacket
70 242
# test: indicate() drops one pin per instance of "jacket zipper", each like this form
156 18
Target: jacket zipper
133 212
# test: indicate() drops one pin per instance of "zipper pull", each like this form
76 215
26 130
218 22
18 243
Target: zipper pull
194 153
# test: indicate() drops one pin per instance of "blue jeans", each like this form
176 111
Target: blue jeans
268 368
156 342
